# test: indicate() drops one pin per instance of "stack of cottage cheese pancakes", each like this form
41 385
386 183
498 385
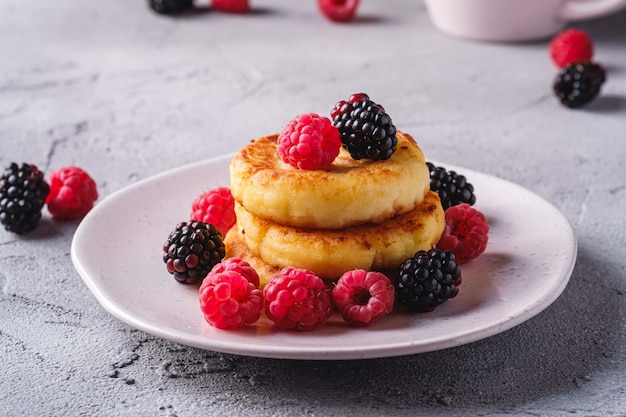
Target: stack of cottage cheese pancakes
355 214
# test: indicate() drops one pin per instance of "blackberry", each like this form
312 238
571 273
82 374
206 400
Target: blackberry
578 83
23 192
366 130
453 189
427 279
170 6
191 250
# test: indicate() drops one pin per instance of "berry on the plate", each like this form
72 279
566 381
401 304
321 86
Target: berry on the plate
578 83
363 297
170 6
229 301
216 206
428 279
452 188
72 193
465 234
571 45
191 250
366 130
309 141
297 299
338 10
23 192
239 266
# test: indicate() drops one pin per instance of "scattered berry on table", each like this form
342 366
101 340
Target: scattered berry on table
240 266
578 83
170 6
452 188
466 233
366 130
229 301
191 250
297 299
72 193
571 45
216 206
23 192
231 6
427 279
309 141
338 10
363 297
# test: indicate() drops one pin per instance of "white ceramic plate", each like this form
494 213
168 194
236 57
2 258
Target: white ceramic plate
117 252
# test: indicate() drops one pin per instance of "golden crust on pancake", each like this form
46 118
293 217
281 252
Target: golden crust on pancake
330 253
348 193
236 248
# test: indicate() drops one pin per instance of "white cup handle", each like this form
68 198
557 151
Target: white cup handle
587 9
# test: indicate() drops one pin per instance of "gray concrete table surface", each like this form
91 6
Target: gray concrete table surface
126 94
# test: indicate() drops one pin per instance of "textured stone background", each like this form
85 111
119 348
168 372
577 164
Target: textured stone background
126 94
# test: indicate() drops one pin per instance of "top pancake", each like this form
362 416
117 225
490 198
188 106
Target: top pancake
348 193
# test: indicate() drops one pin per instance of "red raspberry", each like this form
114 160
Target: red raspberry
465 234
363 297
297 299
217 207
309 141
229 301
338 10
241 267
231 6
72 193
570 46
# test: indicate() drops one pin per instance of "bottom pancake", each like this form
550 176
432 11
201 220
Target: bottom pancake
236 248
330 253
